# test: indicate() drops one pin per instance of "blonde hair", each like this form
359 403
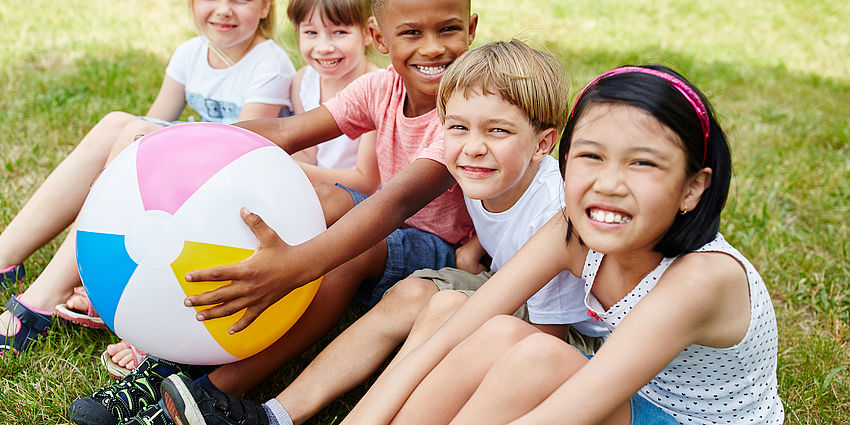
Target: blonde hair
530 79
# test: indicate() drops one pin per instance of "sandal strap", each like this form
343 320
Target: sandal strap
33 320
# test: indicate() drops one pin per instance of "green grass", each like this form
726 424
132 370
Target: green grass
777 73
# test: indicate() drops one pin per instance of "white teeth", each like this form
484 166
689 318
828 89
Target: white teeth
609 217
430 70
328 63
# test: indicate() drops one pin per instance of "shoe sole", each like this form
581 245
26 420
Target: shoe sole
173 394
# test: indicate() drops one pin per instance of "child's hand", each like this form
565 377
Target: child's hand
256 282
468 256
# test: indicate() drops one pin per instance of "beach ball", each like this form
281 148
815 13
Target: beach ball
169 204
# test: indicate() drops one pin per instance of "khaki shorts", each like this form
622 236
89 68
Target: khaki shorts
451 279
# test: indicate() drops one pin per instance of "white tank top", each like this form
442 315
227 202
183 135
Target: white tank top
706 385
337 153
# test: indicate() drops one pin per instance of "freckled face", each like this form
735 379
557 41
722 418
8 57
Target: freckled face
625 178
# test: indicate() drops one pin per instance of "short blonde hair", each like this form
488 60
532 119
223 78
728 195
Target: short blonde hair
530 79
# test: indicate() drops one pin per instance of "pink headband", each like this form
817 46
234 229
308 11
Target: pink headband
684 89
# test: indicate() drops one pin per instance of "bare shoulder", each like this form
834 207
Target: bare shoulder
712 287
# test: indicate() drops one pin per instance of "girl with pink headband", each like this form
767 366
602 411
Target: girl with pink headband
694 336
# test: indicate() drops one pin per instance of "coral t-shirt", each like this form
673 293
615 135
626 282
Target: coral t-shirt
375 101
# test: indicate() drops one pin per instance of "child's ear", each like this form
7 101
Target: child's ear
546 140
367 32
697 185
378 38
473 24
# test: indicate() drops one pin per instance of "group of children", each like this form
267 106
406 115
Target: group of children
627 304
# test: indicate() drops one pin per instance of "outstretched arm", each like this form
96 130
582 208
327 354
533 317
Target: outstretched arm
298 131
276 268
542 257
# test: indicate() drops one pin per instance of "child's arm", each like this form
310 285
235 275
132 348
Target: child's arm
536 263
363 178
251 111
308 155
169 102
468 256
684 308
298 131
276 268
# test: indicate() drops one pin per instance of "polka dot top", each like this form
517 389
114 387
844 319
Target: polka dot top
706 385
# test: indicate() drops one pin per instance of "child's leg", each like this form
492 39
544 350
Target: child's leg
358 352
440 307
52 286
334 295
525 376
438 398
57 201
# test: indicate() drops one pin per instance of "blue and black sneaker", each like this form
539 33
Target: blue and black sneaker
127 397
191 404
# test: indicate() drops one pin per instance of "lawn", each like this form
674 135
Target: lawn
777 73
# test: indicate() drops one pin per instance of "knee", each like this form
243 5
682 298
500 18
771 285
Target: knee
335 201
129 132
408 297
444 303
505 328
548 352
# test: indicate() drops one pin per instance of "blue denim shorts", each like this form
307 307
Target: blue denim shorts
643 411
408 250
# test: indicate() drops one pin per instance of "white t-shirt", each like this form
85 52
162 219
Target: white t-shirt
340 152
263 75
502 234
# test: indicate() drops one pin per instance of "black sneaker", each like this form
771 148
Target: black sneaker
124 399
153 414
191 404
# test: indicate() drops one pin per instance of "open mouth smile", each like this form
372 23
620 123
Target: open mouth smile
602 216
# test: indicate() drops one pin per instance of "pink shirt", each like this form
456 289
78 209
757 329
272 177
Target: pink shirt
375 101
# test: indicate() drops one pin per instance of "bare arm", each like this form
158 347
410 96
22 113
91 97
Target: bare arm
540 260
252 111
169 102
684 308
276 268
298 131
307 155
364 177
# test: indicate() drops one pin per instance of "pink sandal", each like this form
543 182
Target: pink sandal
89 319
117 370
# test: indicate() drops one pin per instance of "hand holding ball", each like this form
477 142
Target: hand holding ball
169 204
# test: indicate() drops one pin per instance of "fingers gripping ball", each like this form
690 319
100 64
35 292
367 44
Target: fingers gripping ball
169 204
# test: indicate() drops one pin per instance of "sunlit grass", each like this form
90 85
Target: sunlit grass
777 73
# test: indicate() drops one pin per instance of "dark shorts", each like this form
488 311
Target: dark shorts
408 250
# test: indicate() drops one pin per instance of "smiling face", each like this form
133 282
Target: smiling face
422 39
336 52
491 148
231 25
625 179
